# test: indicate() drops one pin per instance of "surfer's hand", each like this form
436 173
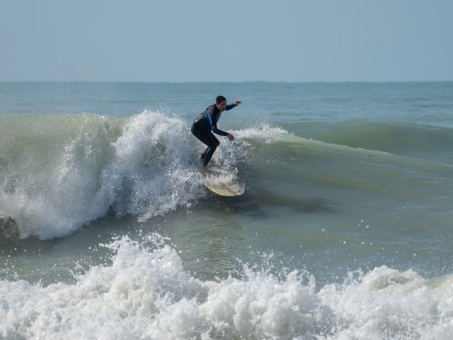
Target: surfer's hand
237 102
230 136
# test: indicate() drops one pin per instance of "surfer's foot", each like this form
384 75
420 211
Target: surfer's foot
205 171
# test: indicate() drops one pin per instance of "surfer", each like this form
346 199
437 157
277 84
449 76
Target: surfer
206 123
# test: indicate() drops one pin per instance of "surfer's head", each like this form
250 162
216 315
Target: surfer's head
220 103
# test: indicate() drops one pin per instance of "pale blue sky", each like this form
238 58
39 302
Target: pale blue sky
213 40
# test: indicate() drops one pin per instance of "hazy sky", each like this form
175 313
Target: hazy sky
234 40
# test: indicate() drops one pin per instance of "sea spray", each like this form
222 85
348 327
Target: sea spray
65 171
50 186
153 170
144 291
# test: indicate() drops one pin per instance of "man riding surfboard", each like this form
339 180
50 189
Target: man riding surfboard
206 123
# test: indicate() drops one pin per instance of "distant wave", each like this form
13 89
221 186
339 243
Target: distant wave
416 140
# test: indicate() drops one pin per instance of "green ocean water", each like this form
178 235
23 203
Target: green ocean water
343 230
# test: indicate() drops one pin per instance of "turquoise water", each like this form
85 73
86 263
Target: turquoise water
343 230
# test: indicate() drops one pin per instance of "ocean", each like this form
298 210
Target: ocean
344 230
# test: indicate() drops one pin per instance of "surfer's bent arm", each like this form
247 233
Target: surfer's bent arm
219 132
215 129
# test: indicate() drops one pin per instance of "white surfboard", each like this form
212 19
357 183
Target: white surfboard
222 183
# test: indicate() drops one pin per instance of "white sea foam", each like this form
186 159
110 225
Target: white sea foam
51 186
152 171
61 177
262 132
145 292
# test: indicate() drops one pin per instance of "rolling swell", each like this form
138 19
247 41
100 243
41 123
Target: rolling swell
294 175
415 140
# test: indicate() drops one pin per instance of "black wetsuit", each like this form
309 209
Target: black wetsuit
202 127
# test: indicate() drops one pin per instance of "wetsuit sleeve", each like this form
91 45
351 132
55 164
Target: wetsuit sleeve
229 107
215 129
219 132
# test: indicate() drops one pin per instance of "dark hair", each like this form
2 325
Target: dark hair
220 99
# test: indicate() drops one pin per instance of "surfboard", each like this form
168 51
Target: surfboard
228 188
220 182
